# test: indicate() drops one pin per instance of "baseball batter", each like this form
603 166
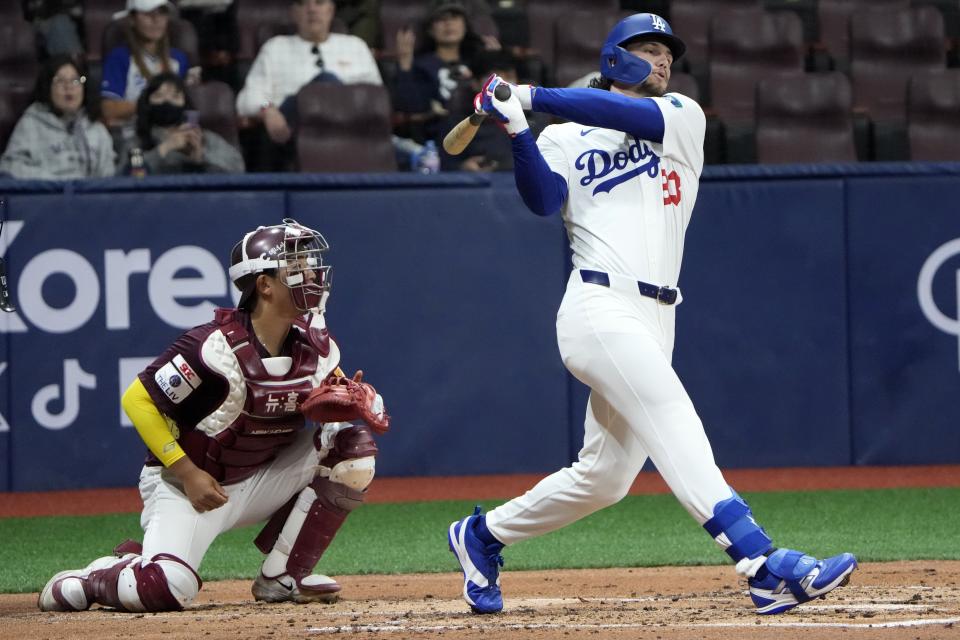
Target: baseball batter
221 412
624 173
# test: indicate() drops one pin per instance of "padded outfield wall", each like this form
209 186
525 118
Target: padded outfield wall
819 324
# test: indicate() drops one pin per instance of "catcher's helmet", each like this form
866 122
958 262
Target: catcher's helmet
619 64
290 246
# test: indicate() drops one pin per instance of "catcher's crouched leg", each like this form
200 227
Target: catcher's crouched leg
124 581
311 519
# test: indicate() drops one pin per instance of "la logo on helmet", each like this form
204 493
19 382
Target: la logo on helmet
658 23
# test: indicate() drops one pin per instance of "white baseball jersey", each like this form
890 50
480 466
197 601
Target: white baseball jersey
630 200
628 207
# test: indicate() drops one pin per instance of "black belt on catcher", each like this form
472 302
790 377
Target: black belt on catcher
663 295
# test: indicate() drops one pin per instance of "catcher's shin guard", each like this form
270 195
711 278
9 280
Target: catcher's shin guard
165 583
314 520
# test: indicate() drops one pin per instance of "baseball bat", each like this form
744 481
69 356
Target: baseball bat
461 135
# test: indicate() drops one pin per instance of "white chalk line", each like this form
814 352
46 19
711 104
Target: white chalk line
400 627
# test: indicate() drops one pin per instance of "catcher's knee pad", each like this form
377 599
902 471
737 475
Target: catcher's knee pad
181 581
165 583
334 497
734 528
356 474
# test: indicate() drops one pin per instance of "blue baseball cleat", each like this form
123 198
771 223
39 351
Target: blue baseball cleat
789 578
480 564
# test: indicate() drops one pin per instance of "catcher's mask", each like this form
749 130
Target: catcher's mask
290 251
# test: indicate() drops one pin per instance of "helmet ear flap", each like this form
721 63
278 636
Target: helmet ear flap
619 64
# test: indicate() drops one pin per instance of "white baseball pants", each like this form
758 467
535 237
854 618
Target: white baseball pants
171 525
619 343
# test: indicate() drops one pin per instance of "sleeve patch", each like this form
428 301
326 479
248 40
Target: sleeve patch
177 379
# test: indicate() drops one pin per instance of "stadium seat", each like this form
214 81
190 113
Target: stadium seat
97 14
216 103
933 115
251 16
579 35
542 16
690 20
745 47
344 128
805 117
18 53
834 19
950 10
887 47
14 100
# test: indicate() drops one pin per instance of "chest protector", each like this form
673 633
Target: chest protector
261 413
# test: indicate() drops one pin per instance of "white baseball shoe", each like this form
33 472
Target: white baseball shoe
285 588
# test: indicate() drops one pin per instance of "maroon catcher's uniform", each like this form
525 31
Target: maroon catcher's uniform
235 410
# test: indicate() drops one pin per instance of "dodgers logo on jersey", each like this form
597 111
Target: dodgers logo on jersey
599 164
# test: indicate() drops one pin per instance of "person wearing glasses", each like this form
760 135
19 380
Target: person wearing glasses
284 65
58 136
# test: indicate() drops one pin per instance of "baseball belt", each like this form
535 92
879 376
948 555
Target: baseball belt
663 295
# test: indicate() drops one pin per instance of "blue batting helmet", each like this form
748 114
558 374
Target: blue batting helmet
618 64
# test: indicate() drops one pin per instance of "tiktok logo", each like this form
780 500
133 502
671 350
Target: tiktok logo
74 378
925 291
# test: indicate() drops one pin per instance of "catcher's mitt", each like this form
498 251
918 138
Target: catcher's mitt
340 399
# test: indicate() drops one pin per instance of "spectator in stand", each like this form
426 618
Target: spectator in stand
284 65
362 18
169 141
128 68
433 69
58 136
489 150
57 25
218 38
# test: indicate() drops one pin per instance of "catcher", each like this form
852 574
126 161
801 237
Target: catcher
247 418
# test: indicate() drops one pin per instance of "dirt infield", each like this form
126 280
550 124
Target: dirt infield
884 600
903 600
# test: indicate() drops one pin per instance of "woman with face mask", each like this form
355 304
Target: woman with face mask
169 142
58 137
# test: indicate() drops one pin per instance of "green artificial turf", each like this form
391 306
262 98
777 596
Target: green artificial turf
876 525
